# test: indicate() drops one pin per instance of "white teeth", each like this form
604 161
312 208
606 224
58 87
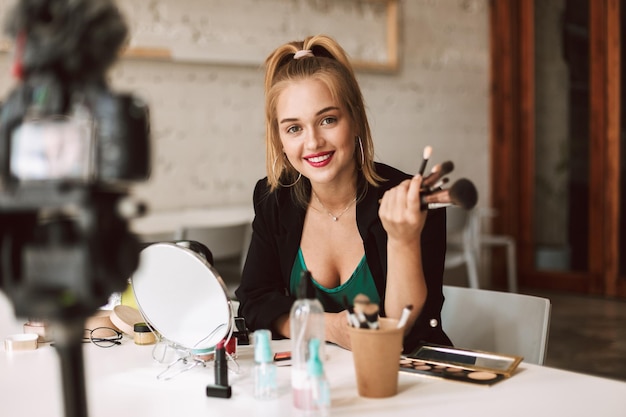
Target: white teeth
317 159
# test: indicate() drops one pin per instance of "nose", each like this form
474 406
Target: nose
314 139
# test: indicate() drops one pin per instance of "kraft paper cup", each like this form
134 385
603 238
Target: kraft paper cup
376 354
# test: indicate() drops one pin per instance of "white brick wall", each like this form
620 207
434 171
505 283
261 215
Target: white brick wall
207 118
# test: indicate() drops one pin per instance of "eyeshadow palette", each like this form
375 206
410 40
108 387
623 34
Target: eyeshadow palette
467 365
449 372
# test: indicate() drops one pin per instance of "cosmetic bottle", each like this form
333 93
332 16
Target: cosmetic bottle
317 384
264 371
306 322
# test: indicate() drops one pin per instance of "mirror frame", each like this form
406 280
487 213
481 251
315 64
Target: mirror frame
200 255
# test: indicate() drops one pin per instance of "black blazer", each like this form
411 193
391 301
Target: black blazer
277 230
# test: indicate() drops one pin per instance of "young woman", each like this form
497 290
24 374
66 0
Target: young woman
326 206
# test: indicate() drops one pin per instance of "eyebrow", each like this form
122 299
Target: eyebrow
324 110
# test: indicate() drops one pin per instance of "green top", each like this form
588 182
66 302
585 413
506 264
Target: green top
361 282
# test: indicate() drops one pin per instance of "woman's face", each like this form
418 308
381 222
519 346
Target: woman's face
316 133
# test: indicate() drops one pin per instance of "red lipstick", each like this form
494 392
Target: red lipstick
320 159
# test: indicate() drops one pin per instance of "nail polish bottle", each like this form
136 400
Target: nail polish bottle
265 370
319 390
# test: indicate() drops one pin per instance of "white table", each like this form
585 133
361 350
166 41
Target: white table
121 382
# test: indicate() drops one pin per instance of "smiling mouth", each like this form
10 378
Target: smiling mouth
319 159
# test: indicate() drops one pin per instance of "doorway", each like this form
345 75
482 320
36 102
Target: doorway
558 134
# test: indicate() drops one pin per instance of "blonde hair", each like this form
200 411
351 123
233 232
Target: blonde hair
329 64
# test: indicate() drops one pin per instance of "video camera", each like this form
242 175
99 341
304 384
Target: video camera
69 149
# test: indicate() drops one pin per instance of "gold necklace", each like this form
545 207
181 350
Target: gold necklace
332 216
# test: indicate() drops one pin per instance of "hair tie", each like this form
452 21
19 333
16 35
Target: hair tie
302 53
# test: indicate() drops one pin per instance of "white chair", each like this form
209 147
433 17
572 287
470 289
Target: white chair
508 242
493 321
466 239
462 248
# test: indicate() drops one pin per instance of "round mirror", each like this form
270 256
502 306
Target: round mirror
182 296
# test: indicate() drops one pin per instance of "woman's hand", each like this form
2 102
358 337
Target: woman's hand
403 220
337 329
400 211
335 324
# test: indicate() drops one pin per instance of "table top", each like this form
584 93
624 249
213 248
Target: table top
122 381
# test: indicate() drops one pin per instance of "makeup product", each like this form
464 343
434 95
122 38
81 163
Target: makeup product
426 156
306 322
318 391
370 312
143 334
437 186
265 386
221 366
125 317
230 345
452 372
467 365
21 341
406 312
282 357
438 172
220 389
462 193
41 329
352 319
361 301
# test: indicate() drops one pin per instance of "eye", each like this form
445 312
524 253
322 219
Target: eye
293 129
328 120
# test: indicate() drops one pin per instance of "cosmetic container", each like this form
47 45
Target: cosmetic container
143 334
265 386
220 365
317 384
306 322
220 389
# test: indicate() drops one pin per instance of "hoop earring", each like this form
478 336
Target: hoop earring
281 184
358 138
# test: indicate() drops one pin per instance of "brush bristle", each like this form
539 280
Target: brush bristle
463 194
446 167
428 150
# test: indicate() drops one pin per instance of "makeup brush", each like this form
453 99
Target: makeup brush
439 184
428 150
361 301
406 311
370 311
462 193
352 320
438 172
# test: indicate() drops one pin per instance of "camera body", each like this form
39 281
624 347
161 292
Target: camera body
62 228
97 138
70 148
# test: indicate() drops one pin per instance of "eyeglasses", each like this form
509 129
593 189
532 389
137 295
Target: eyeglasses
103 337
